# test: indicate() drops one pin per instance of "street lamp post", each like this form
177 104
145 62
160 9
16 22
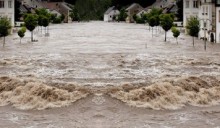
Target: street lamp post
205 29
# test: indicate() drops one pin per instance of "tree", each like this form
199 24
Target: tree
92 9
21 33
62 17
122 15
43 17
31 23
155 12
176 33
166 22
151 22
5 27
74 14
45 22
193 27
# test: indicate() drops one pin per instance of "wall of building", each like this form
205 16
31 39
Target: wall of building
206 17
8 11
217 24
189 11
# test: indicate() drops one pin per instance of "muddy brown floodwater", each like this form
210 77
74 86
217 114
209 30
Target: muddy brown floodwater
108 75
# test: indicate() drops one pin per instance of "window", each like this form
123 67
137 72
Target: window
9 4
204 24
187 4
207 10
195 4
2 4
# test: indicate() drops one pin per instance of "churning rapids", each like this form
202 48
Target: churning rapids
102 75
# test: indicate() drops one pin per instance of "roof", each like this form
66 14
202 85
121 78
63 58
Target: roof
110 9
64 4
133 6
23 9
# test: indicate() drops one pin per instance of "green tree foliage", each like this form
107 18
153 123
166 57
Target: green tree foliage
151 22
155 12
193 27
74 14
140 19
166 22
31 21
176 33
57 20
21 33
153 18
5 27
62 17
122 15
92 9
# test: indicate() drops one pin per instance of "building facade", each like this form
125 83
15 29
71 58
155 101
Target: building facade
207 19
208 12
7 10
218 21
191 8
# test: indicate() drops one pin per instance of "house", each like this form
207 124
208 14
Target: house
139 14
54 7
7 10
60 7
110 14
32 3
132 10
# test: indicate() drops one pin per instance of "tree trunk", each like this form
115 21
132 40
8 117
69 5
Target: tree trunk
193 41
165 36
176 40
4 41
20 40
152 32
32 40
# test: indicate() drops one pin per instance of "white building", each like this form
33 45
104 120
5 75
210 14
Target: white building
110 14
207 19
7 10
217 21
191 8
208 12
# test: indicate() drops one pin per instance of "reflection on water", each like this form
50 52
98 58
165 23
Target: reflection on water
85 59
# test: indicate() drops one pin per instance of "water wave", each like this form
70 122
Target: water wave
171 94
32 94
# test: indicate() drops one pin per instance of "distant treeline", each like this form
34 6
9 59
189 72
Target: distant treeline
95 9
121 3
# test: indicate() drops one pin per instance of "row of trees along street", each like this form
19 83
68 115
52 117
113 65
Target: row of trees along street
42 18
154 18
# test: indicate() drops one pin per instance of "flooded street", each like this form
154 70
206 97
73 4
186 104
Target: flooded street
78 69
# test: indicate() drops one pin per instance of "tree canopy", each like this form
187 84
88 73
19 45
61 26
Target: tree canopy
166 22
193 27
5 26
31 23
